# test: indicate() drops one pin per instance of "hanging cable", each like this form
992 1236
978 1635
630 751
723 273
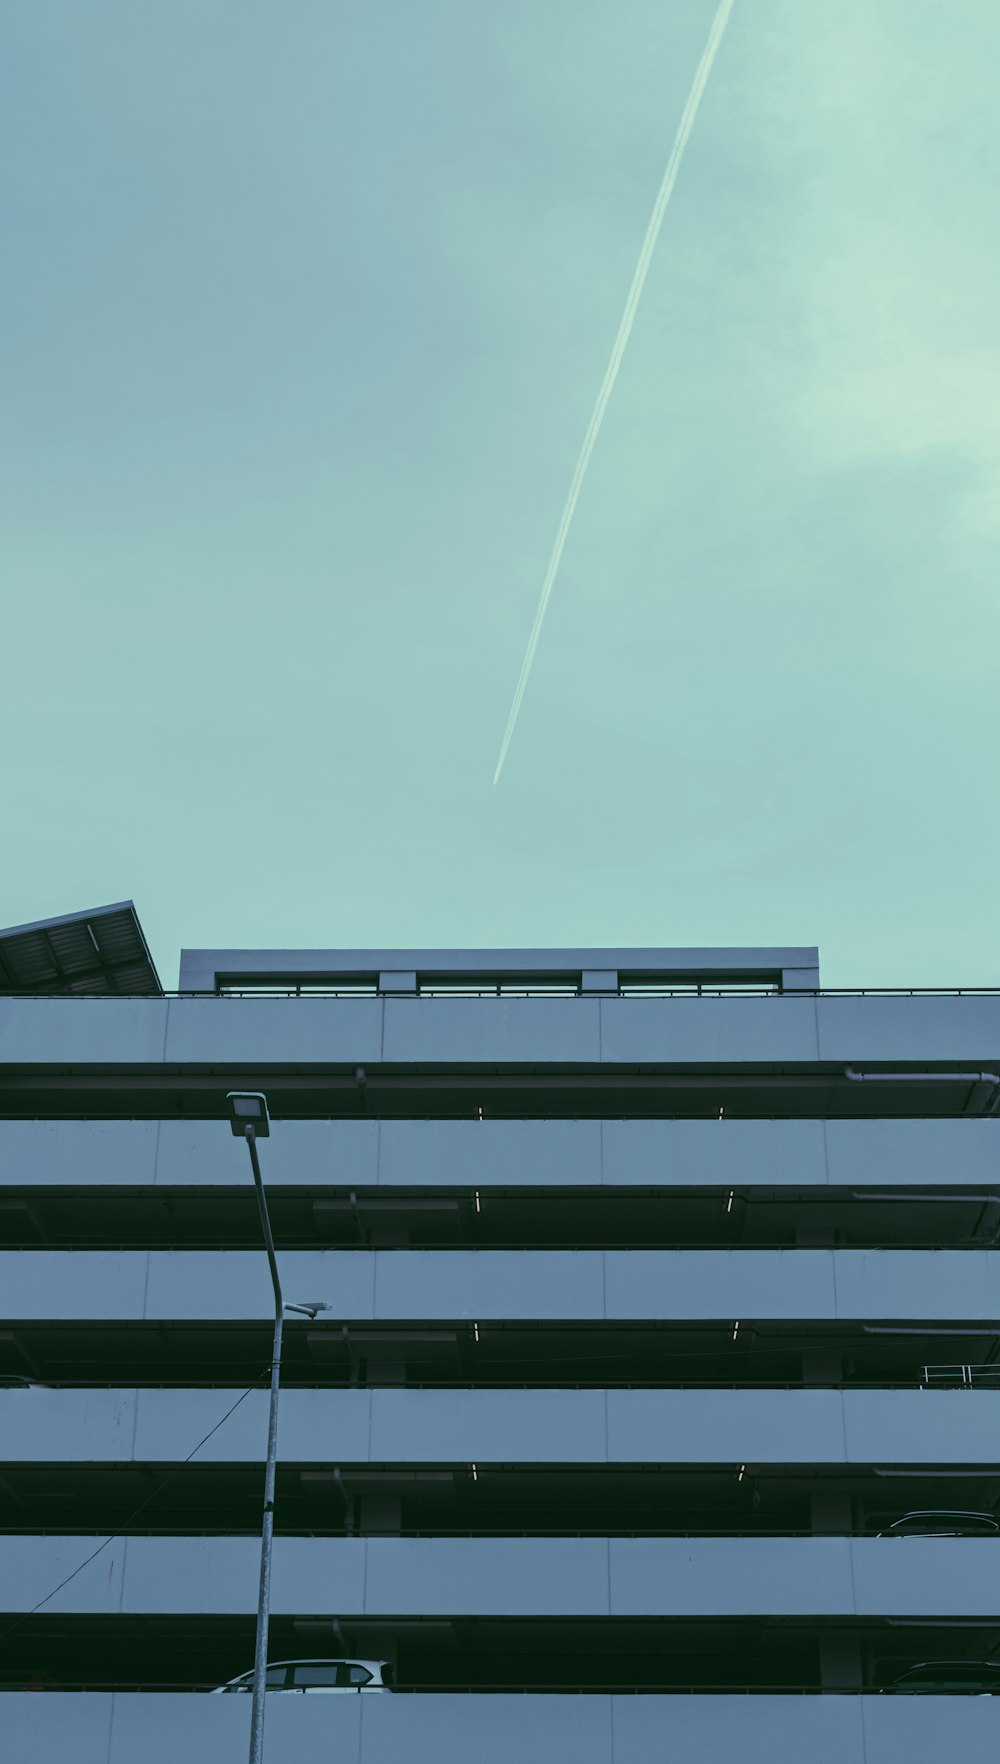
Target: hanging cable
4 1633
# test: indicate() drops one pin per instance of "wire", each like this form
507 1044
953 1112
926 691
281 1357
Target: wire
141 1508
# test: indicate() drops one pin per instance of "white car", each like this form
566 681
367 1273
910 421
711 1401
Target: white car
325 1676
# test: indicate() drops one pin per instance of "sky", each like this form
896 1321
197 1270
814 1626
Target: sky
303 313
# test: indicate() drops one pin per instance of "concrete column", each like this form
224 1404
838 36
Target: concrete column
830 1510
822 1365
381 1512
840 1661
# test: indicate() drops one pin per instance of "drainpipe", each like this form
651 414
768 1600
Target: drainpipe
991 1102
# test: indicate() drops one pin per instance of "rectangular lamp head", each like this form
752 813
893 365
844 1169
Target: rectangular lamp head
248 1108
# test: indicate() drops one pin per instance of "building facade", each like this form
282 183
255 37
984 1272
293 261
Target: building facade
661 1340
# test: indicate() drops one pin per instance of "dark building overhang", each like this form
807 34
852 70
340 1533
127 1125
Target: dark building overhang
103 952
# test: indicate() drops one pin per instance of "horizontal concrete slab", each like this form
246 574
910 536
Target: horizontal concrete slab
708 1031
723 1153
501 1031
872 1153
811 1426
313 1031
506 1426
67 1153
536 1284
299 1153
508 1577
963 1029
483 1153
94 1031
889 1154
97 1728
684 1031
500 1431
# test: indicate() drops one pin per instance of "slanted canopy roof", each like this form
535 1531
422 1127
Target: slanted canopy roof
100 952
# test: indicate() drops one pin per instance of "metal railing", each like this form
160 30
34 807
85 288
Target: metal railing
635 993
965 1377
536 1534
668 989
500 1687
292 1380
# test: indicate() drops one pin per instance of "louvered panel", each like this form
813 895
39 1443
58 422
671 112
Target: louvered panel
86 954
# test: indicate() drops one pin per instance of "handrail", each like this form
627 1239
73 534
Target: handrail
290 1381
601 1687
536 1534
635 995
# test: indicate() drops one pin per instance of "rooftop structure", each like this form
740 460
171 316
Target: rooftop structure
514 971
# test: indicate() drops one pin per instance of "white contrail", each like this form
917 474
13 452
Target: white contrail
684 128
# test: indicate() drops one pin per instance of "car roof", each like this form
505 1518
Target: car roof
945 1513
990 1665
323 1660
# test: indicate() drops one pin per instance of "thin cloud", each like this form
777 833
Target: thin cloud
685 126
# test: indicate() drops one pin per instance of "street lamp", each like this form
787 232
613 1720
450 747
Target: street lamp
249 1120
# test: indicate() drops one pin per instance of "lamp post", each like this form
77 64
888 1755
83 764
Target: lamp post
249 1120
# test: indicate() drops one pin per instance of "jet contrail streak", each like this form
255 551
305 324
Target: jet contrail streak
684 128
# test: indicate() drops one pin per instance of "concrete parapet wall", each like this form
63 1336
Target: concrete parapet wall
681 1031
513 1577
508 1426
97 1728
536 1285
361 1154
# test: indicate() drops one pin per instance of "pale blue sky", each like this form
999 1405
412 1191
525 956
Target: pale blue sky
304 309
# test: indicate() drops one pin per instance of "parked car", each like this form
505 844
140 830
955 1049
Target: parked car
950 1677
940 1522
316 1675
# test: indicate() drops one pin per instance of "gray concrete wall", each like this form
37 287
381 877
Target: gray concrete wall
508 1426
883 1153
512 1576
686 1031
386 1575
158 1729
533 1284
